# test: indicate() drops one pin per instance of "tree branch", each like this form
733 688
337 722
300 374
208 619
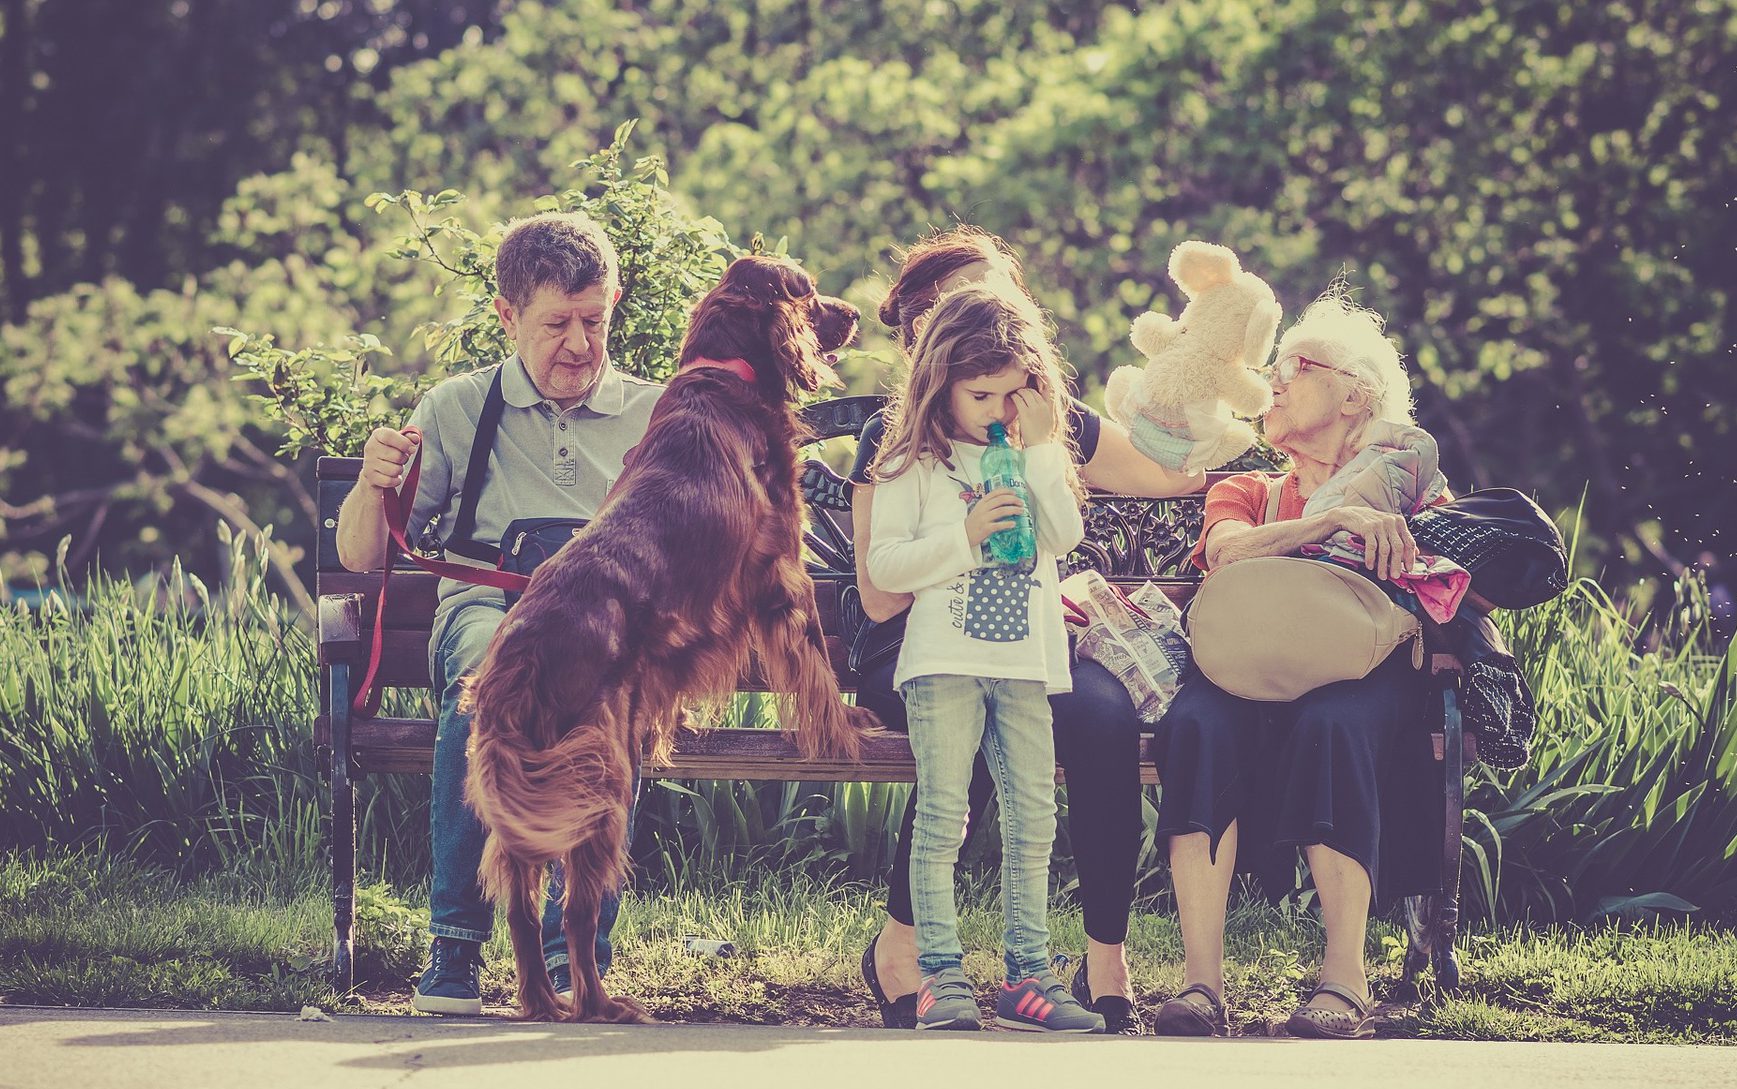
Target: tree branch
77 560
47 505
279 472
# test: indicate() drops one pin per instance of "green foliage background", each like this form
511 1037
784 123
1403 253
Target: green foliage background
1537 195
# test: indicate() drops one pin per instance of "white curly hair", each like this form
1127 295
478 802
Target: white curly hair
1335 331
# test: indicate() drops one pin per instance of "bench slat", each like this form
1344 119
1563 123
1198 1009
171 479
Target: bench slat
413 595
406 745
404 660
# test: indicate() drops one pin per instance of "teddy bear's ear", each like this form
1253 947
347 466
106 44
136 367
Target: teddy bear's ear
1151 332
1196 266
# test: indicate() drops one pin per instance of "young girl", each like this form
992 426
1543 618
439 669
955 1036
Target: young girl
985 645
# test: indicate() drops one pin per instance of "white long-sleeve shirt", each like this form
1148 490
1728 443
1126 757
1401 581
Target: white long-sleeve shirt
971 618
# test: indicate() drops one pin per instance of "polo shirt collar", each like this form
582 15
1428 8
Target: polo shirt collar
607 398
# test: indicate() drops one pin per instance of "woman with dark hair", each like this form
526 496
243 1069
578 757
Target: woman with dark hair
1097 734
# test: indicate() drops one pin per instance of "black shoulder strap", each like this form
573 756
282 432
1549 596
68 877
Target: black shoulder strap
463 536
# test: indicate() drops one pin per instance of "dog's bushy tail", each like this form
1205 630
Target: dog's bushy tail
538 803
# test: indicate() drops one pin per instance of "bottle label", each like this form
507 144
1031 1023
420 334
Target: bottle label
1017 545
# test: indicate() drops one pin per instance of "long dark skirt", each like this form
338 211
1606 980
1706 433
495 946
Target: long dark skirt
1349 766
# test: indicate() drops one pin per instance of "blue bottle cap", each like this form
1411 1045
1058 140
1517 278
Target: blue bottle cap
997 432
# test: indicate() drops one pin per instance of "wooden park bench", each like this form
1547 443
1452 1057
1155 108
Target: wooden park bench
1129 540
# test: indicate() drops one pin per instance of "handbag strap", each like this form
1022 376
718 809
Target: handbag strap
463 540
1076 614
367 699
1275 490
1073 613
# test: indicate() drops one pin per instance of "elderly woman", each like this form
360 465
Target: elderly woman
1097 733
1340 772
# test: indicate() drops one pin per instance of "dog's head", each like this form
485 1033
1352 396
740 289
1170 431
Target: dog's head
767 311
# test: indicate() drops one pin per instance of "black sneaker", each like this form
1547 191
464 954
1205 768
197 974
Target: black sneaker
1121 1017
562 977
452 982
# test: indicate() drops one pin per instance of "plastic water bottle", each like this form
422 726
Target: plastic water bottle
1004 467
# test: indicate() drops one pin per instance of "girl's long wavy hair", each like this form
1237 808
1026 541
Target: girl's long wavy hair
972 331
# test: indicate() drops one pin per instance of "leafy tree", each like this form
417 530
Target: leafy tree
1536 197
329 399
173 102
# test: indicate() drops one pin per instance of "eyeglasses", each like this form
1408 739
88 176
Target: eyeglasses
1287 369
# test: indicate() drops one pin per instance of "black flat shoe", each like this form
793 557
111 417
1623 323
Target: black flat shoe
1180 1017
897 1013
1121 1017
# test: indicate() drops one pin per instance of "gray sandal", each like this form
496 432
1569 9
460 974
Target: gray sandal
1320 1024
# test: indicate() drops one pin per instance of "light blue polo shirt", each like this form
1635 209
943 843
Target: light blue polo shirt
546 463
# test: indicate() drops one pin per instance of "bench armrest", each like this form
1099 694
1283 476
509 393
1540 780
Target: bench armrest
340 628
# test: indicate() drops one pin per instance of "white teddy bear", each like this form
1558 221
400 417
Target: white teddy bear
1200 367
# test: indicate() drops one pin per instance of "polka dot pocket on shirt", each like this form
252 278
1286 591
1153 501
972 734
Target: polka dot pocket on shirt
998 605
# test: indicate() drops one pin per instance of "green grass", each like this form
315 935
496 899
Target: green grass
171 722
88 930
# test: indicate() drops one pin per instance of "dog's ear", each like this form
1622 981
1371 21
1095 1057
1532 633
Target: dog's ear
768 280
791 335
791 309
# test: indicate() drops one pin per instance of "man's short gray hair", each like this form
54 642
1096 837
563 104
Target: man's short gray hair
564 250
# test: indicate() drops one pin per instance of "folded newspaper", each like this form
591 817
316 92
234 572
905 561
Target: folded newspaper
1143 646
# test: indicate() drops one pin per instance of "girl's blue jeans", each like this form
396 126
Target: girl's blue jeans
951 718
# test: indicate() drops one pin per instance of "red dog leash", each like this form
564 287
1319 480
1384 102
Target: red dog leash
367 698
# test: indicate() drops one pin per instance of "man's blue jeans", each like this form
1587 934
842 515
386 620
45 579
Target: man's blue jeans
456 908
951 717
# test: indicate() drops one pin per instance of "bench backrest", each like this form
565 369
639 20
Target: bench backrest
1129 540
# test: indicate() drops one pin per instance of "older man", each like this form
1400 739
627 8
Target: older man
565 418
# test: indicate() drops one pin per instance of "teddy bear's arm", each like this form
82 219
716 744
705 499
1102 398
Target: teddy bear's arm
1247 393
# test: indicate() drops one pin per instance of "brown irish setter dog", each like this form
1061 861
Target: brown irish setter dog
694 560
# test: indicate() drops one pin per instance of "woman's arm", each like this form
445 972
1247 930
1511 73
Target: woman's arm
1059 523
880 605
1388 547
1229 541
1116 466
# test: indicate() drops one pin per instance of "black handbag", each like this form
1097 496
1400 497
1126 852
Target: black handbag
872 643
1511 547
529 541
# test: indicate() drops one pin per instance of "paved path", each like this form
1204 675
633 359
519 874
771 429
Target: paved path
121 1049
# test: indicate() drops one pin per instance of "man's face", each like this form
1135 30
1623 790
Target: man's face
561 338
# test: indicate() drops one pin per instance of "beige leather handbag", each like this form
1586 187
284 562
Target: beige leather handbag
1276 627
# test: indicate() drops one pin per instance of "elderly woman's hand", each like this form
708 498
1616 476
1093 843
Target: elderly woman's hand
1388 547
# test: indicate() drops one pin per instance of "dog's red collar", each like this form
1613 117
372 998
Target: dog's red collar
741 368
